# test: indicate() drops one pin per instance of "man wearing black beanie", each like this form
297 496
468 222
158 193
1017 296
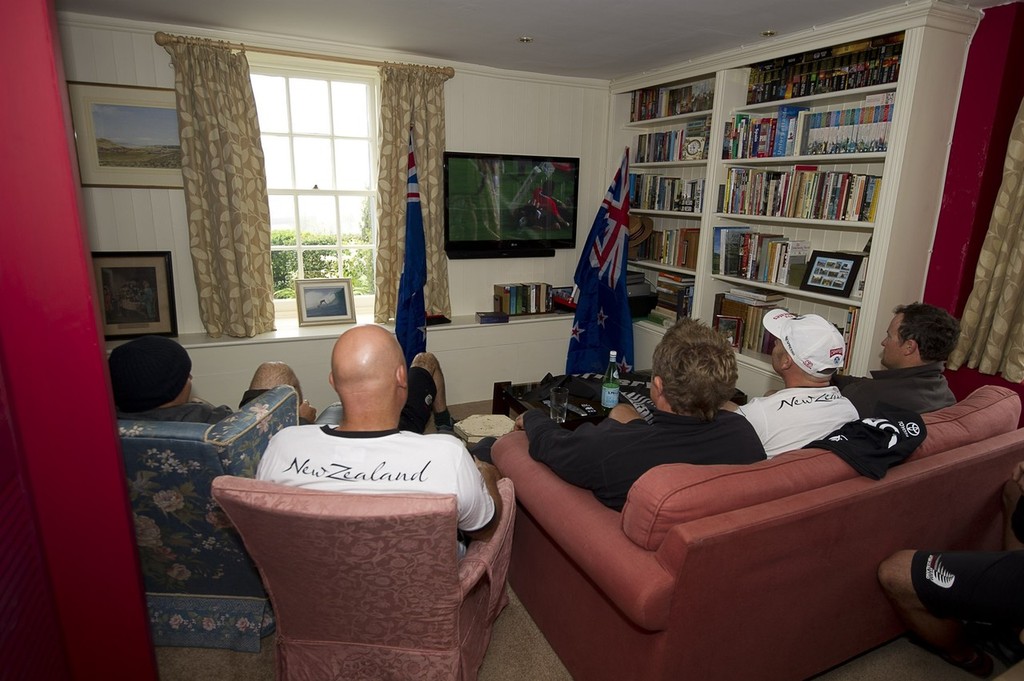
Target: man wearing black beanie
151 378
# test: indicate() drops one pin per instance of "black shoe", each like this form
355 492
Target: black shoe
980 664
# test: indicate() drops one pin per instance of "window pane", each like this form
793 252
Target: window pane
318 220
285 266
353 160
310 106
356 220
282 217
349 109
358 266
320 264
313 163
271 103
279 162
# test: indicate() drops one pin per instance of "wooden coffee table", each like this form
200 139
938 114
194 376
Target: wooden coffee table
508 399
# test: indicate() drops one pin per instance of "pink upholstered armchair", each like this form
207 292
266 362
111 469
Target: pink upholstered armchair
369 586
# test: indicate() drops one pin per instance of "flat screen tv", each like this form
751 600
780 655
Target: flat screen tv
505 205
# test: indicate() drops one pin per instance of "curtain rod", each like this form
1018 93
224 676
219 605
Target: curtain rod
162 39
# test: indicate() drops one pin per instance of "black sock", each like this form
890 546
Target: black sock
443 419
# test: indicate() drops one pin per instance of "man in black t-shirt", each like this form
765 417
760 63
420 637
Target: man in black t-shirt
693 374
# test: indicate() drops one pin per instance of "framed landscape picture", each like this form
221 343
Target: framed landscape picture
126 136
325 301
136 290
832 273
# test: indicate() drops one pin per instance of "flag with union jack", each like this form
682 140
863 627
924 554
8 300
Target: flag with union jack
411 316
603 320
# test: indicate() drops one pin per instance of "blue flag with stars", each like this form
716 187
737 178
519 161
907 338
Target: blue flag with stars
411 315
603 320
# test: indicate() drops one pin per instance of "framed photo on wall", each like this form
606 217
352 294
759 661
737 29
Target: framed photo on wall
325 301
832 273
126 136
136 290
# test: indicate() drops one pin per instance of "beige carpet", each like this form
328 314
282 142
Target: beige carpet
519 652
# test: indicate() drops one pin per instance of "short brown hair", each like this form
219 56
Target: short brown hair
697 367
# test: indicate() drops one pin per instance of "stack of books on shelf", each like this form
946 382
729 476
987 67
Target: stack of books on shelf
523 298
739 251
665 192
687 143
675 298
875 61
672 100
748 307
676 247
804 193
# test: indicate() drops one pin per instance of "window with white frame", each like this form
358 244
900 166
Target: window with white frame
319 135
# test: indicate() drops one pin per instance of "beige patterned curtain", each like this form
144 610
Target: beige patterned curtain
992 328
225 188
411 96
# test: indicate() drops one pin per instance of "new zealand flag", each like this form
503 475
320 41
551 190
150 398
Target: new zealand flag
411 316
603 320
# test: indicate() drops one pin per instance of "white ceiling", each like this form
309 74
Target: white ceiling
585 38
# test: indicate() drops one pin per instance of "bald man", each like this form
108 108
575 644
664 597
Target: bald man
368 452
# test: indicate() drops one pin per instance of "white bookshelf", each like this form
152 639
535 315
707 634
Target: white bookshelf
912 167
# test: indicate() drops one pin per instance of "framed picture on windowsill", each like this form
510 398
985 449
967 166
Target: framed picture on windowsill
126 136
136 290
325 301
832 273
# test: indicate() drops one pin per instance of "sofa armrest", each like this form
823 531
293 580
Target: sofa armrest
590 533
242 437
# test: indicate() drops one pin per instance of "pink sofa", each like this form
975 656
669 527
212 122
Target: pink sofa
764 571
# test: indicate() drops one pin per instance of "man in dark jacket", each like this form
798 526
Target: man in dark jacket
914 351
693 374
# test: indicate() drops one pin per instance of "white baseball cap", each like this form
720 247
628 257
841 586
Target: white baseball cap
813 342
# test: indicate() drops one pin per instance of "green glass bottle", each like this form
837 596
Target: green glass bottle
610 384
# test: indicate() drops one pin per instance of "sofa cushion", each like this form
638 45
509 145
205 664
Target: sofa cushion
672 494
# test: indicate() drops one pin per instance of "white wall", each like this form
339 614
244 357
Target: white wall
488 110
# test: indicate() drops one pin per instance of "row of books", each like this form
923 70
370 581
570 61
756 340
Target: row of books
677 247
851 130
765 136
804 193
843 67
671 100
795 130
675 298
739 251
850 333
687 143
648 191
522 298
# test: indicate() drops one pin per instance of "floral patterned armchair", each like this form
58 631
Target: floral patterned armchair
202 588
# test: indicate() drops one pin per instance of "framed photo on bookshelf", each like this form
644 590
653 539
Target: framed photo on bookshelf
832 273
325 301
730 327
137 293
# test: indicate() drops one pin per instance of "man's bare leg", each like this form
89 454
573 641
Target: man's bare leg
943 634
271 374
